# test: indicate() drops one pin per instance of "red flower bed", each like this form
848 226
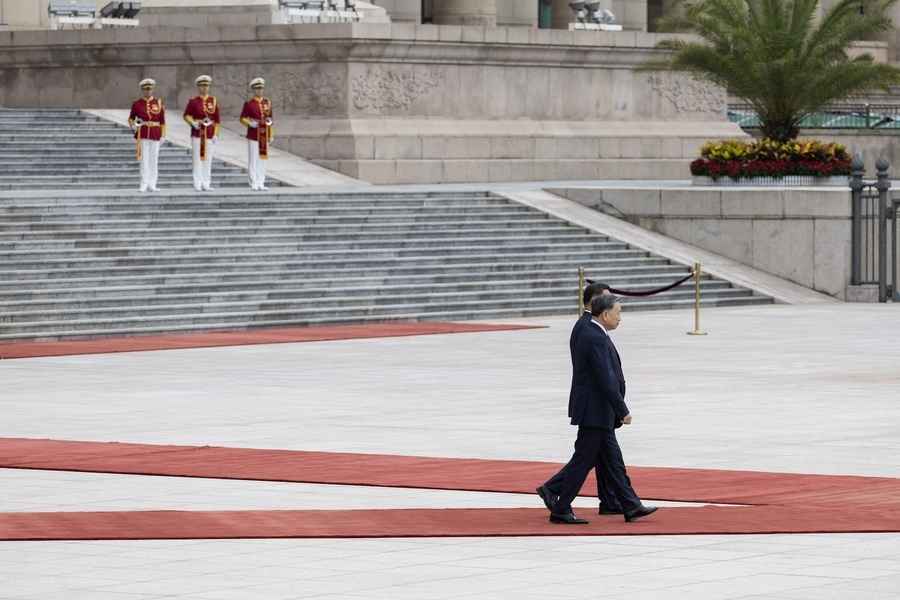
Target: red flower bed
768 158
768 168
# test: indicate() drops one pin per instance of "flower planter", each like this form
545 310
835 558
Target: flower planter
785 181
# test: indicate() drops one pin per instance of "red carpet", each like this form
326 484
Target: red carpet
213 339
469 522
780 502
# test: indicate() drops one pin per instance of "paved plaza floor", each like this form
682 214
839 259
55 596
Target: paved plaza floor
804 389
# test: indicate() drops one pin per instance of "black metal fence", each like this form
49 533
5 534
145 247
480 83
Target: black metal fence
838 116
874 234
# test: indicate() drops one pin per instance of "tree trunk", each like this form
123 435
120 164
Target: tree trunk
780 130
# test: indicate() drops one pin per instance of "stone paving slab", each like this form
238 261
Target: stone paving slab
786 388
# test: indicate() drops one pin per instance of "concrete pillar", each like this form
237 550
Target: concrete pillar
465 12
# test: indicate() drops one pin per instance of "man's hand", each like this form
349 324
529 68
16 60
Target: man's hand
626 420
195 125
254 123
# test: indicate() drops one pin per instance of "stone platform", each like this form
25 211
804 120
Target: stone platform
403 103
699 402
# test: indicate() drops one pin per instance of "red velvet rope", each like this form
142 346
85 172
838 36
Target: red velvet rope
644 294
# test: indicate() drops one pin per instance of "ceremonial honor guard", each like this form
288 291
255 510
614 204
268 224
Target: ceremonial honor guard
257 118
202 114
148 121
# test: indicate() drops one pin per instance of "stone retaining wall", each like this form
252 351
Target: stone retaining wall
800 234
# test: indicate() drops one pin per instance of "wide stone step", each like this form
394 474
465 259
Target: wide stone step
110 177
323 259
298 242
650 270
103 142
76 170
87 161
335 268
12 136
346 224
288 215
347 305
92 156
184 184
315 232
161 205
96 329
353 222
284 198
332 249
100 288
334 294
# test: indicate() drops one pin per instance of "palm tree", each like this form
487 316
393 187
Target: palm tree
779 56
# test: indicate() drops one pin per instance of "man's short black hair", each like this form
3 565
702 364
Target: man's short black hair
601 304
594 288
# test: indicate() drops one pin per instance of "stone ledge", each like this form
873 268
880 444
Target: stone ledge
800 235
386 171
519 36
688 202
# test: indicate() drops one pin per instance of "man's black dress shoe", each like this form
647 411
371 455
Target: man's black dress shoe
546 496
567 519
610 511
639 513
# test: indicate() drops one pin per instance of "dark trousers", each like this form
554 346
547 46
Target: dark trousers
595 447
604 493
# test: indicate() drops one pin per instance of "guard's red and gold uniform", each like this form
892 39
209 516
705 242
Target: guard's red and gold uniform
202 114
152 112
259 110
257 117
148 120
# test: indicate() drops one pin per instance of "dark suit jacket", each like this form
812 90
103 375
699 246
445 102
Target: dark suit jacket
599 384
583 321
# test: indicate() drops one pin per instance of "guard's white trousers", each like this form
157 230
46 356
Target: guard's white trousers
256 166
202 168
149 164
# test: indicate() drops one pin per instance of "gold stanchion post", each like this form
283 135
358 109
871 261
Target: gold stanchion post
697 271
580 291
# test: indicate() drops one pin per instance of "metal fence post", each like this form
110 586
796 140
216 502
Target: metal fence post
868 116
883 185
856 187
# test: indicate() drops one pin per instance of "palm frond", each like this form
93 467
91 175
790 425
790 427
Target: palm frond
780 56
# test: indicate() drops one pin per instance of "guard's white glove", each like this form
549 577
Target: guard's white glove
214 140
133 126
254 123
195 125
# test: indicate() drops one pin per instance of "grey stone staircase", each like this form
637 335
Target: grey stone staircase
47 149
126 263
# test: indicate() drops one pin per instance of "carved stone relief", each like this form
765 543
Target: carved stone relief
687 94
313 91
230 86
380 90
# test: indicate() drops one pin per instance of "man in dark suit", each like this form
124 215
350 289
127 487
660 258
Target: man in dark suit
549 491
598 409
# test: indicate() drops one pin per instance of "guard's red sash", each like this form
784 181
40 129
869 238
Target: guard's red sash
264 131
209 109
